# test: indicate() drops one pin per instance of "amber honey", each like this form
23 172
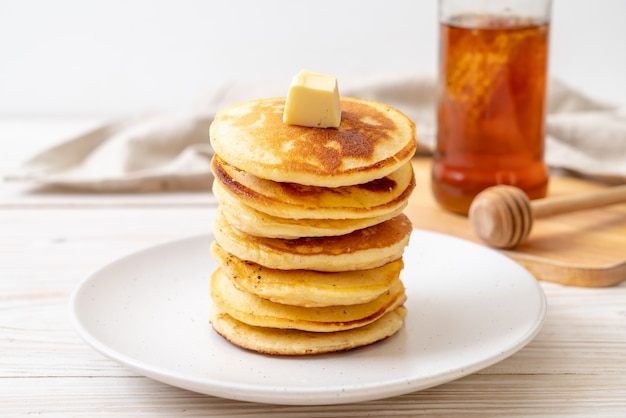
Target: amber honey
491 108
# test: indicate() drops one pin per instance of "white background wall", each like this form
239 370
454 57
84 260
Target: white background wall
104 58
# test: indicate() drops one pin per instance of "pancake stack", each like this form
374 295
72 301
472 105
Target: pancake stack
309 231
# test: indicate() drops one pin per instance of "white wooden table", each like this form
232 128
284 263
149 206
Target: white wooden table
50 241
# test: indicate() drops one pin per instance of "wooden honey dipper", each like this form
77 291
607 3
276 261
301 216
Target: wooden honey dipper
502 216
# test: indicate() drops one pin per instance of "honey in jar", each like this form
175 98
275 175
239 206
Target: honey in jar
491 108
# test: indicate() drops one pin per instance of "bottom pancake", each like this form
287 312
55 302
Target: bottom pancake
291 342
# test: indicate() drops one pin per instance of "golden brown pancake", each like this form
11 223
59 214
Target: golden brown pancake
372 141
253 310
254 222
290 342
362 249
378 197
309 233
307 288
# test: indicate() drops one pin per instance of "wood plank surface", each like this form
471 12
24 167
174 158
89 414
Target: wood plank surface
574 367
473 396
585 248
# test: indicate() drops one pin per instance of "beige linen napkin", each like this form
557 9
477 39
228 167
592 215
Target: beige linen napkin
172 151
137 154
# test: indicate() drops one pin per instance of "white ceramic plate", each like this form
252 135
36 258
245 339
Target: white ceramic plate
468 307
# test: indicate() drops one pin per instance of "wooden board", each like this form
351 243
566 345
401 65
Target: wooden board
585 248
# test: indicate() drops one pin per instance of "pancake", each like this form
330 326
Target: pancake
378 197
307 288
253 310
254 222
362 249
291 342
372 141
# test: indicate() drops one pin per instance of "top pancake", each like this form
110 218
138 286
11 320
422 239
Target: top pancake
372 141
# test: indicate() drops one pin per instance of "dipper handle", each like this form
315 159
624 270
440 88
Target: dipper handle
502 216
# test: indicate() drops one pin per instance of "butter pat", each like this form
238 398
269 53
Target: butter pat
313 100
